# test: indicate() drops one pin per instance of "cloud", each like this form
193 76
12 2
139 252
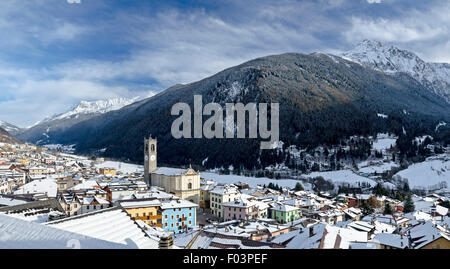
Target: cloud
74 1
182 48
35 99
374 1
56 55
425 32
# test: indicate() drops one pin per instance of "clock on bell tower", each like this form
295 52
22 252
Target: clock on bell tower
150 157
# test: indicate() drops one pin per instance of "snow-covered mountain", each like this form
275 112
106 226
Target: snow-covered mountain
43 132
392 60
92 107
12 129
6 137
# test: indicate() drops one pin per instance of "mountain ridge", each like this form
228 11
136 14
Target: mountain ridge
6 137
322 98
392 60
81 112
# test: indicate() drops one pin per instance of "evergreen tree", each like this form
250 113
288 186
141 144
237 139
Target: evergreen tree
406 187
387 209
298 187
409 204
367 208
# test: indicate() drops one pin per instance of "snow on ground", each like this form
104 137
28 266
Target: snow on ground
61 148
426 175
342 177
384 141
365 167
126 168
251 181
442 123
421 139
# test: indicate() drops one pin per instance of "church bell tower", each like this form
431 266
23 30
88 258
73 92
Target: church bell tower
150 161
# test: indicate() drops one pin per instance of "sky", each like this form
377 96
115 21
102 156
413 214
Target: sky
55 53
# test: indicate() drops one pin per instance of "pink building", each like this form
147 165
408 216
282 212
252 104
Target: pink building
244 209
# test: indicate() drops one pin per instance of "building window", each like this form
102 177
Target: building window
137 214
190 186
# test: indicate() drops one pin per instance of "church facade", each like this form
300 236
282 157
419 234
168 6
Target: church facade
184 183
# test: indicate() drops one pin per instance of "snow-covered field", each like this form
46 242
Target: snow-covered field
61 148
383 142
343 177
426 175
365 167
251 181
125 168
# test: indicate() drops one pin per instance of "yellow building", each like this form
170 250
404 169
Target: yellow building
204 194
440 243
145 210
38 170
24 161
184 183
108 171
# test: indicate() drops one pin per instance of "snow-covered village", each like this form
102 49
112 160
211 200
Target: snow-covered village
48 198
283 133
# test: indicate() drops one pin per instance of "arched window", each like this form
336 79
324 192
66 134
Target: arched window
152 147
190 186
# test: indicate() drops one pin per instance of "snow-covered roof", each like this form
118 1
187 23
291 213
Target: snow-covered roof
179 203
443 211
426 233
9 201
393 240
44 186
284 208
111 224
305 240
21 234
361 226
86 185
169 171
140 204
91 199
337 237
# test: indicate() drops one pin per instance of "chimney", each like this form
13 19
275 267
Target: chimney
166 241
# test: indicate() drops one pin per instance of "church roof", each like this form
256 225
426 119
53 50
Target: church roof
168 171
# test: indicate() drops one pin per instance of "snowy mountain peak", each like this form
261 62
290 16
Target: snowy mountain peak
392 60
9 127
92 107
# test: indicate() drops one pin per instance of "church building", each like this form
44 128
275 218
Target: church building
184 183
